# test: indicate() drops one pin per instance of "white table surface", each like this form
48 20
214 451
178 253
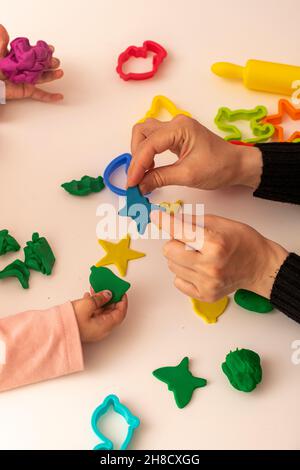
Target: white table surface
44 145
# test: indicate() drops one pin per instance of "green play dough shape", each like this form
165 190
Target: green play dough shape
253 302
39 255
243 370
85 186
180 381
19 270
104 279
7 243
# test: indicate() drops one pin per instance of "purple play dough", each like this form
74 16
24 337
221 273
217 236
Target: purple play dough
25 63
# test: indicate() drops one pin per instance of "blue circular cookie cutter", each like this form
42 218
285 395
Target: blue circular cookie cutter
116 163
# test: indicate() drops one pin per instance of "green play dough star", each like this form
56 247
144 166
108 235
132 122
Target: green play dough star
180 381
253 302
38 255
19 270
85 186
243 370
104 279
7 243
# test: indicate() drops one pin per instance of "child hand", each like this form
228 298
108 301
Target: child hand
233 256
204 160
26 90
95 320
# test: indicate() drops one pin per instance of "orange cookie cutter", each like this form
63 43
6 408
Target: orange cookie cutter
284 108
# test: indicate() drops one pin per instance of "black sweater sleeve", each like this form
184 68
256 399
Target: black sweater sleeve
280 179
285 293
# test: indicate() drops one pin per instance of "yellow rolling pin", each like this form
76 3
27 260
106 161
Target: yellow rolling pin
260 75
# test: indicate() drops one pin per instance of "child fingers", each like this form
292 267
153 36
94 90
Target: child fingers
50 76
40 95
55 63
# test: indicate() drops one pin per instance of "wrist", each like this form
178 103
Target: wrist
249 166
272 257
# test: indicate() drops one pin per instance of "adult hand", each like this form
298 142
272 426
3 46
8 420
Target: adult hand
204 160
230 256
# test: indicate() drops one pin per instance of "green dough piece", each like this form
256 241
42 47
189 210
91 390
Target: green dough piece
243 370
253 302
85 186
180 381
104 279
7 242
38 255
17 269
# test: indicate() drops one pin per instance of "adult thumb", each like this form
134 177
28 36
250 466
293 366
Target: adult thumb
161 176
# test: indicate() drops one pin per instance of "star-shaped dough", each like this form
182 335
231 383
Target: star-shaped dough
180 381
138 207
284 108
210 311
118 254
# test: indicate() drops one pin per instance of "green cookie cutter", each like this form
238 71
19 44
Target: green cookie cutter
132 421
261 131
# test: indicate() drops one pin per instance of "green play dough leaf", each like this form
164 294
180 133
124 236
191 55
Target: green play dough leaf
19 270
39 255
243 369
253 302
85 186
7 243
104 279
180 381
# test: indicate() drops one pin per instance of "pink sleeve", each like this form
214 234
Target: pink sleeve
39 345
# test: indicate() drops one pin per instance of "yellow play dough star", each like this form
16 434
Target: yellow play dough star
209 312
172 207
118 254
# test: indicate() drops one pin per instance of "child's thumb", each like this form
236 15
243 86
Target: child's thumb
101 298
4 40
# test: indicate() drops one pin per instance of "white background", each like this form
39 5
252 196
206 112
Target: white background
43 145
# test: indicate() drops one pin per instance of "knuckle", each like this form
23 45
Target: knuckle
158 179
167 249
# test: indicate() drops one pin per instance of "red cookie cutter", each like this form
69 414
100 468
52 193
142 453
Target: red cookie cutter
141 52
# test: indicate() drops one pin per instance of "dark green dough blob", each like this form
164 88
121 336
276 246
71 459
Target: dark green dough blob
85 186
104 279
180 381
39 255
19 270
7 242
243 370
253 302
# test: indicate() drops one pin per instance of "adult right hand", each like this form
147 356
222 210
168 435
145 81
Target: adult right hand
205 161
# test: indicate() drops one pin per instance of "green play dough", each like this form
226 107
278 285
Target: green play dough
7 243
243 370
85 186
104 279
180 381
19 270
39 255
253 302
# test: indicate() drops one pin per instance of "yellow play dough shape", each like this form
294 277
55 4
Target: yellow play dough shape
209 312
160 102
118 254
172 207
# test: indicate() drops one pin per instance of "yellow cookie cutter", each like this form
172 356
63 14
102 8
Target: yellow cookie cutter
160 102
